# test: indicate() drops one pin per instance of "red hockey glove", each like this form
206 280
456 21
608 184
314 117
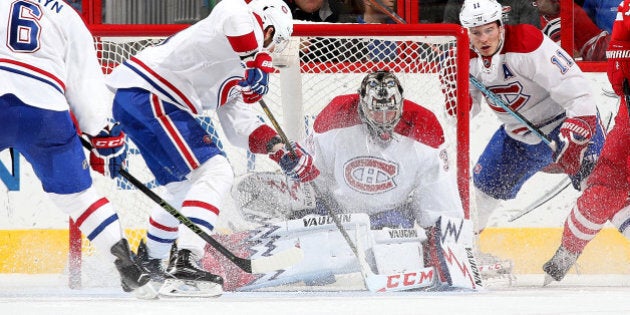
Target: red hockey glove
618 55
298 167
109 151
256 82
575 135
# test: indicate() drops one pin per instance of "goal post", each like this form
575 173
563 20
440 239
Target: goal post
321 62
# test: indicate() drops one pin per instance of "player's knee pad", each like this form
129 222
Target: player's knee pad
211 181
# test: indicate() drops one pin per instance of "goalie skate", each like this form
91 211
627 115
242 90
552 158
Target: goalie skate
495 272
186 279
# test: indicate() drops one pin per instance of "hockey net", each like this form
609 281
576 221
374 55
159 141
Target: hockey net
321 62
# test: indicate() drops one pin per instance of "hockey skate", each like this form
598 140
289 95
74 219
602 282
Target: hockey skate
186 278
133 276
495 272
155 267
558 266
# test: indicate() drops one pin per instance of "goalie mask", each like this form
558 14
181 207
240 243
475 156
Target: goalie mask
277 14
380 105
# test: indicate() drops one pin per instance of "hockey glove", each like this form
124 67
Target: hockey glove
109 151
256 82
298 166
575 135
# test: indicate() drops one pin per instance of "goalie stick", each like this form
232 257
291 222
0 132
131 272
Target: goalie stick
408 280
259 265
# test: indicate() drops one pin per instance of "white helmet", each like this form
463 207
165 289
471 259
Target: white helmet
480 12
278 14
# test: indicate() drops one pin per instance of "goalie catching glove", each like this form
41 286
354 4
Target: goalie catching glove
575 135
256 82
109 151
297 163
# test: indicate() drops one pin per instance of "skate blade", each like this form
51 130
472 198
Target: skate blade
548 279
187 288
148 291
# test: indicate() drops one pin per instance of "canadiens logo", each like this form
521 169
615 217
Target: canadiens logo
370 175
512 95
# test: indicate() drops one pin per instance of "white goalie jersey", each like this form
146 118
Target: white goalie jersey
368 176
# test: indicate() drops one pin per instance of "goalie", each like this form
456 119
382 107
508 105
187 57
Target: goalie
384 169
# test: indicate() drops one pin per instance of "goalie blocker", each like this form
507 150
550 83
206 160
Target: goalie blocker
396 257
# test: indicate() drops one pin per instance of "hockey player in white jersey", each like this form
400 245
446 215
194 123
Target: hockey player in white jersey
222 64
536 78
381 158
48 69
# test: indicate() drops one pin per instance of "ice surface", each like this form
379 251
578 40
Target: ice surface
577 294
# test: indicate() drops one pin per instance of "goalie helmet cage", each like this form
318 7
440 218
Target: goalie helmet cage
321 61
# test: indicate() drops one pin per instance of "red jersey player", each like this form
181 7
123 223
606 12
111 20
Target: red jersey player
608 186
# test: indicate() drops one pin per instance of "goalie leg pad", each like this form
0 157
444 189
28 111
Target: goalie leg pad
451 253
398 250
325 251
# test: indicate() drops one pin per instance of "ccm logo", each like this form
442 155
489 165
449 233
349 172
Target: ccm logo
109 143
409 279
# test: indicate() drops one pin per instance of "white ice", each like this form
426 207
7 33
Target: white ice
576 294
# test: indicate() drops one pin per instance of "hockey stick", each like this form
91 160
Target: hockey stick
414 279
555 191
496 100
388 11
258 265
552 193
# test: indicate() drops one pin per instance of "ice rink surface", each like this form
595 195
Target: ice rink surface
576 294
